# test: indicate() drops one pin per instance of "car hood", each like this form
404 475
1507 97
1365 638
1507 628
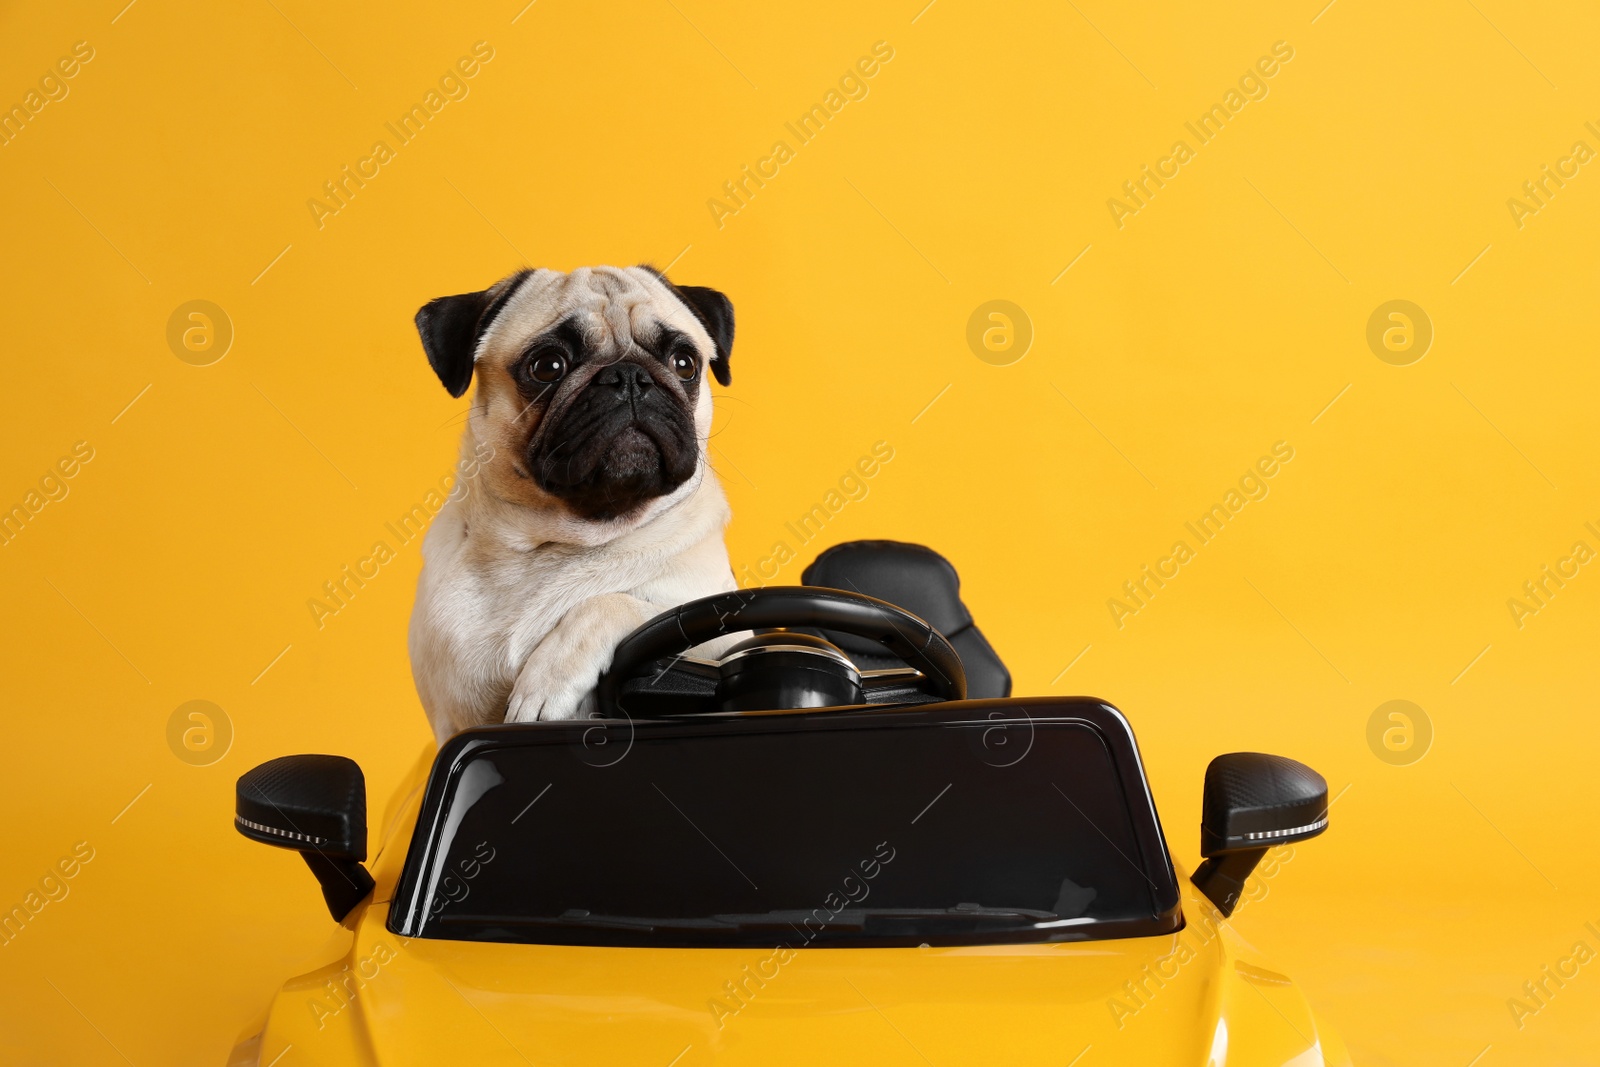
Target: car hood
1195 997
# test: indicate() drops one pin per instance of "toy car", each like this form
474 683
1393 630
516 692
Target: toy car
821 848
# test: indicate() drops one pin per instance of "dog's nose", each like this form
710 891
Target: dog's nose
630 380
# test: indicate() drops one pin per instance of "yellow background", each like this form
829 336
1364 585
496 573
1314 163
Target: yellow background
1223 317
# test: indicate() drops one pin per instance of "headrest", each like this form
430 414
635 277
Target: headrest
911 576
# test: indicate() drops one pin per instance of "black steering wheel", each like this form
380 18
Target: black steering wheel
651 674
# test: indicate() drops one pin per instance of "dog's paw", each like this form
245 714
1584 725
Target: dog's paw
541 695
558 678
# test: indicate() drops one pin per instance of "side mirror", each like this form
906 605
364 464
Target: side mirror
1252 802
316 805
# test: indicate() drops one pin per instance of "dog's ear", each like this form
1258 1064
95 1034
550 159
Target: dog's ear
452 326
715 312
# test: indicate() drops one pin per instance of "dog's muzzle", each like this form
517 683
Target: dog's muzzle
623 440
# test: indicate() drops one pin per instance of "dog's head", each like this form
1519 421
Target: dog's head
592 386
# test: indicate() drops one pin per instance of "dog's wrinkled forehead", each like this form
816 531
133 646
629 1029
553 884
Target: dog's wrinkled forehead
612 306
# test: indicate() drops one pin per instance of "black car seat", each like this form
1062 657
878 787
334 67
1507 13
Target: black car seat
924 583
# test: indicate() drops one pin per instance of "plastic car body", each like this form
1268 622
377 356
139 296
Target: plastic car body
467 948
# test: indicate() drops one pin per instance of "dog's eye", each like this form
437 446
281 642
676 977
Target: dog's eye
684 365
547 368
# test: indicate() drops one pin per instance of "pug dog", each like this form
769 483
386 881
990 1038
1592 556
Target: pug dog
597 509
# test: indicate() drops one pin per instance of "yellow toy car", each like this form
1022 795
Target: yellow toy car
789 856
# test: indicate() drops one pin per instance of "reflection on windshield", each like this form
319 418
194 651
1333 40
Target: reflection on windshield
865 836
477 778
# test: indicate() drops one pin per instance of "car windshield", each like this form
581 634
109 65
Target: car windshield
876 829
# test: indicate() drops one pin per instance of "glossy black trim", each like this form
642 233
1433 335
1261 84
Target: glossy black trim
408 908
